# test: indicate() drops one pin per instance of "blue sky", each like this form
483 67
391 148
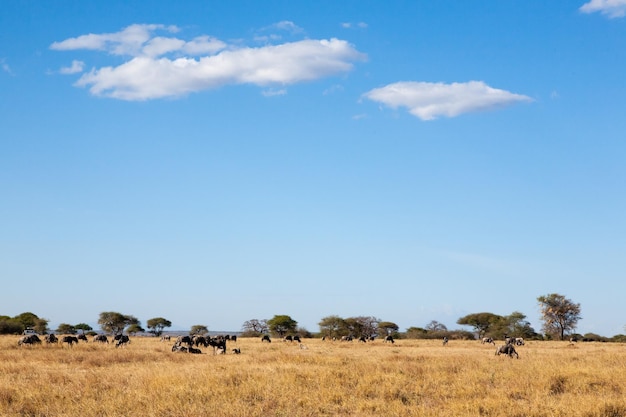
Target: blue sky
215 162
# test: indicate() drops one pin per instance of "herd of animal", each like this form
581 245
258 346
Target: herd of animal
191 344
33 339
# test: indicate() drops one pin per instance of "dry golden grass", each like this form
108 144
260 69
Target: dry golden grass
409 378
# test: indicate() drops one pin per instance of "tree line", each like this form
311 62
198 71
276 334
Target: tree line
559 316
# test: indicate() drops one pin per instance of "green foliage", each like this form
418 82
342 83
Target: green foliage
9 325
331 326
65 328
134 329
387 328
83 326
483 323
282 325
157 324
198 329
113 322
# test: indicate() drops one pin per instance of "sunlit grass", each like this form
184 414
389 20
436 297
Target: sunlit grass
410 377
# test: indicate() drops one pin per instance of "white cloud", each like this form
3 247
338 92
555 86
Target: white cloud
76 67
168 67
611 8
272 92
5 67
129 41
431 100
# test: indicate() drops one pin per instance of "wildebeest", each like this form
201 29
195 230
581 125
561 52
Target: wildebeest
50 338
266 338
82 337
488 340
445 340
31 339
388 339
101 338
288 338
518 341
70 340
199 340
218 343
362 339
346 338
184 339
507 349
121 340
179 348
165 337
236 351
233 338
194 350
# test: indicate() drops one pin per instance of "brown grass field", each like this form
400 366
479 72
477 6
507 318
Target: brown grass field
408 378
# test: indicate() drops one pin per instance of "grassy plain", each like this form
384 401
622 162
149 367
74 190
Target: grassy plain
408 378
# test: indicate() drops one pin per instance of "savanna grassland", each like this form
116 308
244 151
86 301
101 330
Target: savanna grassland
319 378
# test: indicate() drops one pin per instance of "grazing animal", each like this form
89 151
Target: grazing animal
101 338
82 337
31 339
70 340
218 343
346 338
507 349
573 339
165 338
518 341
445 340
388 339
362 339
200 340
236 351
488 340
121 340
288 338
50 338
194 350
184 339
296 338
266 338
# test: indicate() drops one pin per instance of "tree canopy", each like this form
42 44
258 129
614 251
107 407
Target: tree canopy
282 325
559 314
113 322
157 324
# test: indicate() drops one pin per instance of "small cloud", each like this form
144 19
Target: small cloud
76 67
350 25
359 116
610 8
428 101
333 89
5 67
554 95
273 92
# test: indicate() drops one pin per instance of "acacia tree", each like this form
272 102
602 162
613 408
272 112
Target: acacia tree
113 322
157 324
198 329
83 326
282 324
255 327
65 328
481 322
386 328
331 326
559 314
